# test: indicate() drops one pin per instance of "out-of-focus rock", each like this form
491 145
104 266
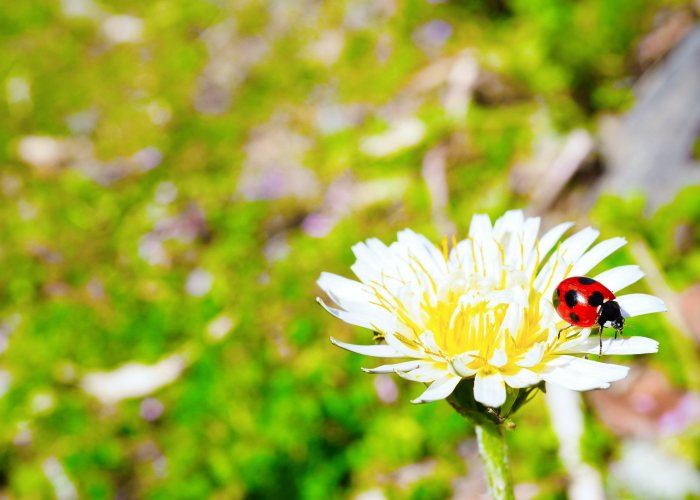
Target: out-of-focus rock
199 282
132 380
57 289
19 96
43 253
45 154
526 491
474 485
122 29
651 147
328 48
461 81
403 134
147 158
409 474
10 184
432 76
492 89
684 238
277 248
48 155
220 326
345 195
373 494
5 381
82 122
384 48
184 227
56 474
585 482
651 473
364 14
645 405
670 28
554 163
26 210
332 117
231 58
690 309
82 8
95 289
435 177
274 166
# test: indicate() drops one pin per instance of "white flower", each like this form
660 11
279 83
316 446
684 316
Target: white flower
483 309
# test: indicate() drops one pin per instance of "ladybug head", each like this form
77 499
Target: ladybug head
610 316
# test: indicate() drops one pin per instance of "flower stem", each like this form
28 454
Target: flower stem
492 448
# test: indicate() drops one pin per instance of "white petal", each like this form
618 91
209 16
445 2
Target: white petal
551 237
636 304
423 250
406 366
620 277
439 389
595 255
342 288
568 252
350 295
575 341
373 254
533 356
511 222
378 351
459 368
428 340
531 228
426 372
581 374
631 345
379 322
574 246
499 358
480 228
407 351
524 378
490 390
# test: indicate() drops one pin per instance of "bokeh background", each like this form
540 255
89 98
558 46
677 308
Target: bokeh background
175 174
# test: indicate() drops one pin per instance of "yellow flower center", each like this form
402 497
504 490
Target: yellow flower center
468 312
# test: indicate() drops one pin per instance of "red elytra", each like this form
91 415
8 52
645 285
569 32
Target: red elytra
578 300
584 302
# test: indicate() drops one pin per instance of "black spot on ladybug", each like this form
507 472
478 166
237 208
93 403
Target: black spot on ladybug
586 281
596 299
574 317
571 298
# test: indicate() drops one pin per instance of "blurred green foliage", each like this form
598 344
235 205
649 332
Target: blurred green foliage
272 410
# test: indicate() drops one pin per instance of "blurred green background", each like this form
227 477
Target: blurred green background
175 174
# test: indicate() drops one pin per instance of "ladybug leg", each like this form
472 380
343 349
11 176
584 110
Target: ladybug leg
600 336
563 330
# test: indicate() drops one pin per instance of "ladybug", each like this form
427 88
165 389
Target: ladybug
585 302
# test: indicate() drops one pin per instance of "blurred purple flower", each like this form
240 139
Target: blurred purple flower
686 412
433 34
150 409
